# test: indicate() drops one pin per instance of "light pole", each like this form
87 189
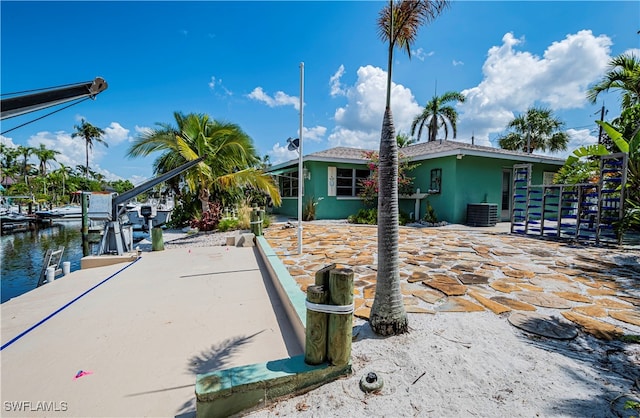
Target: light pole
296 144
300 168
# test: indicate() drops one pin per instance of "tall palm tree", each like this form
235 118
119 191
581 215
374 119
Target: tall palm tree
89 133
231 158
537 129
398 24
624 75
61 174
404 140
437 114
45 155
25 152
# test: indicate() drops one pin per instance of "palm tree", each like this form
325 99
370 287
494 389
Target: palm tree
537 129
231 158
89 133
62 175
398 24
404 140
437 115
25 152
623 75
45 155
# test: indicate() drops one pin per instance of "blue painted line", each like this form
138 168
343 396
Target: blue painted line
22 334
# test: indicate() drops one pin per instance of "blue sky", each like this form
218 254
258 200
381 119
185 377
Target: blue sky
239 62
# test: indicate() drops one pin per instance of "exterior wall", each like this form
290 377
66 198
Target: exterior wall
471 179
328 207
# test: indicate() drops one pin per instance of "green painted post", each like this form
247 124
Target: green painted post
315 348
157 241
340 325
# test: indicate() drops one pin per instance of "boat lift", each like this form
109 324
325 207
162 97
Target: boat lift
117 239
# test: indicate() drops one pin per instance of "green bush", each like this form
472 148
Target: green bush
370 217
430 215
227 224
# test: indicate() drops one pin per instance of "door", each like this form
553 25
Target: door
505 213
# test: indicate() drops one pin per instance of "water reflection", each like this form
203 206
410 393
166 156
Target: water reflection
22 255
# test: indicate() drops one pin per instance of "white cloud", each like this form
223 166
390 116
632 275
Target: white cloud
114 134
359 122
313 134
218 82
334 82
280 154
456 63
279 99
142 130
7 141
516 80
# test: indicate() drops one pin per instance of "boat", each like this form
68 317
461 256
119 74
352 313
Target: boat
64 212
158 212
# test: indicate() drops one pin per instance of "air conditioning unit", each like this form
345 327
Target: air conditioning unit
482 214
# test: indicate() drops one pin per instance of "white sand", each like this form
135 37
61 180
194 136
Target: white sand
476 365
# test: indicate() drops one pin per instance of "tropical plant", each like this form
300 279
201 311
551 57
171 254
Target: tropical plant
370 185
44 156
309 208
25 152
537 129
89 134
230 157
438 115
624 75
398 24
405 140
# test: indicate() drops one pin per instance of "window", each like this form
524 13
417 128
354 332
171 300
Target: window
348 181
547 177
289 184
436 180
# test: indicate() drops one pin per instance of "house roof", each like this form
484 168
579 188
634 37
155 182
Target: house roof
425 151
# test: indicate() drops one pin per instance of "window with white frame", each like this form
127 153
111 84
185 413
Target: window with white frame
348 181
288 183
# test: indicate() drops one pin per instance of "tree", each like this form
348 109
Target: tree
437 115
623 75
398 24
45 155
404 140
230 157
25 152
537 129
89 133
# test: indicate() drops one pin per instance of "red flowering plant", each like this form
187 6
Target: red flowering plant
369 193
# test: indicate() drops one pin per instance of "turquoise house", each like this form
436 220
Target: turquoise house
448 175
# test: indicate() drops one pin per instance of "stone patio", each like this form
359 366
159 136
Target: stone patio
464 269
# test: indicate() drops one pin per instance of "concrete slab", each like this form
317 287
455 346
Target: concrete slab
142 331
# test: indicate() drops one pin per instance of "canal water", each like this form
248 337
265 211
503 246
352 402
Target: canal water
22 255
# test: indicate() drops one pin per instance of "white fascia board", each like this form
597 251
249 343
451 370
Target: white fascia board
487 154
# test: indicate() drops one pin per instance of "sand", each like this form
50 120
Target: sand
476 365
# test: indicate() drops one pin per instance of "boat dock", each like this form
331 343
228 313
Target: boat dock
128 339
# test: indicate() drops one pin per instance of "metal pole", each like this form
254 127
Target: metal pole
300 168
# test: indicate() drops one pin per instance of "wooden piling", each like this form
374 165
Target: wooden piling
315 350
85 224
340 325
322 275
157 241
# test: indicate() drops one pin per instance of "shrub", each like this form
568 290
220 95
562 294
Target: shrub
430 214
210 219
370 217
227 224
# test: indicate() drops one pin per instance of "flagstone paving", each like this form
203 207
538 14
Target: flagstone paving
449 269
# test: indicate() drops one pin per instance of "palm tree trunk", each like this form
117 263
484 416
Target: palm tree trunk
388 315
86 148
